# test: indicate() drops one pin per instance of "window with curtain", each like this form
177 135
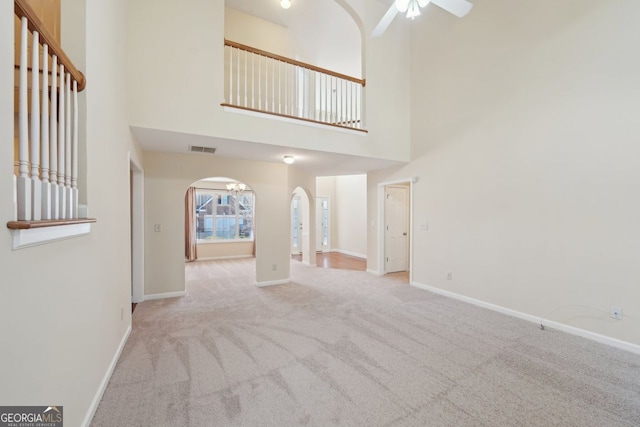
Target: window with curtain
223 217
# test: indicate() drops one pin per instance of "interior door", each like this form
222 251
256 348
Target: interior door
396 216
322 224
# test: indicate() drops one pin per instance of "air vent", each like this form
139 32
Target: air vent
196 149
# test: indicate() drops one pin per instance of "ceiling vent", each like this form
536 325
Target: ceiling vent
196 149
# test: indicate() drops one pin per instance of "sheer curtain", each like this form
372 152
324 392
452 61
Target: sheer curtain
190 235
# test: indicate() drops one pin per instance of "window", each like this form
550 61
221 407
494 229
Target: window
222 216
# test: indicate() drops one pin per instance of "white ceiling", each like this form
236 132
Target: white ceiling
317 163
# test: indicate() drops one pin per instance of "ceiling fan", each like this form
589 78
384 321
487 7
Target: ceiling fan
412 7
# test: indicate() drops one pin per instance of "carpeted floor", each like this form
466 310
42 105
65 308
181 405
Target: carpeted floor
339 347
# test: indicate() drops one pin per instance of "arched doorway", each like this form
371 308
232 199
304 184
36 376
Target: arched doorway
219 219
302 226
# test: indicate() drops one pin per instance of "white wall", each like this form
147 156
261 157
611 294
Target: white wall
167 177
176 81
347 212
525 143
61 303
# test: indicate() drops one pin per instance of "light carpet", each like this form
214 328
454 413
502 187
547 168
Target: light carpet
339 347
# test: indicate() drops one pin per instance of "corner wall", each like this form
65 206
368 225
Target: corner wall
525 142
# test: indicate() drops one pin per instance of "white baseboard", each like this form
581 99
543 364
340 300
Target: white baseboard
375 272
354 254
603 339
272 283
216 258
105 380
165 295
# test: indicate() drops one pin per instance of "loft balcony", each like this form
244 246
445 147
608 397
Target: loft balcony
263 82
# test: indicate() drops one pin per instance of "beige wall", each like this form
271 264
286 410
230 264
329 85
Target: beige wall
252 31
221 250
167 177
525 144
176 83
61 303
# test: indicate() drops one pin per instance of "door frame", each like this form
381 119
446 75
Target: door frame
381 224
137 230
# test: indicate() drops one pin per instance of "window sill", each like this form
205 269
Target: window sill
217 242
32 233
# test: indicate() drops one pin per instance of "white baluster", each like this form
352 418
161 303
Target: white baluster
34 151
44 127
24 182
230 75
246 63
253 80
259 82
74 159
67 160
53 141
62 194
238 80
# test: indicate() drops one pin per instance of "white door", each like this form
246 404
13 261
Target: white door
296 226
396 239
322 224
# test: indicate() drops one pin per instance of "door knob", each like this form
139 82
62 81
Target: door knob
404 234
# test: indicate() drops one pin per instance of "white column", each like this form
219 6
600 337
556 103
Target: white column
67 161
46 185
53 141
24 182
74 158
62 200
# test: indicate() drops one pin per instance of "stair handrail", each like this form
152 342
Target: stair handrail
23 10
266 54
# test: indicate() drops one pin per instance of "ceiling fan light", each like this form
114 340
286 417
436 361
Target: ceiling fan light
423 3
402 5
286 4
289 159
414 9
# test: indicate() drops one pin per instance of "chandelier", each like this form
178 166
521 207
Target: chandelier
236 188
412 7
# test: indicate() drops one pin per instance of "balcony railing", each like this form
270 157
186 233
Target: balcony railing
261 81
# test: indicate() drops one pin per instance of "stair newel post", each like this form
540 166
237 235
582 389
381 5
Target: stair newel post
44 128
74 158
24 182
62 199
53 141
67 160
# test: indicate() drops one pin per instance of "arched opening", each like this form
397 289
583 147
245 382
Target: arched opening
302 227
219 220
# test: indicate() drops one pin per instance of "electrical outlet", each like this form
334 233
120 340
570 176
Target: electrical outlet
156 228
274 267
449 276
616 312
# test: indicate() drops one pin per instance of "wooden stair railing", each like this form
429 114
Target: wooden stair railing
47 181
261 81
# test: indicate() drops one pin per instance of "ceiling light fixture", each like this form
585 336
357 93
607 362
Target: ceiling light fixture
412 7
286 4
236 188
289 159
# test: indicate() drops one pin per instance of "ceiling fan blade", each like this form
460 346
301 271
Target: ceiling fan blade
385 21
457 7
